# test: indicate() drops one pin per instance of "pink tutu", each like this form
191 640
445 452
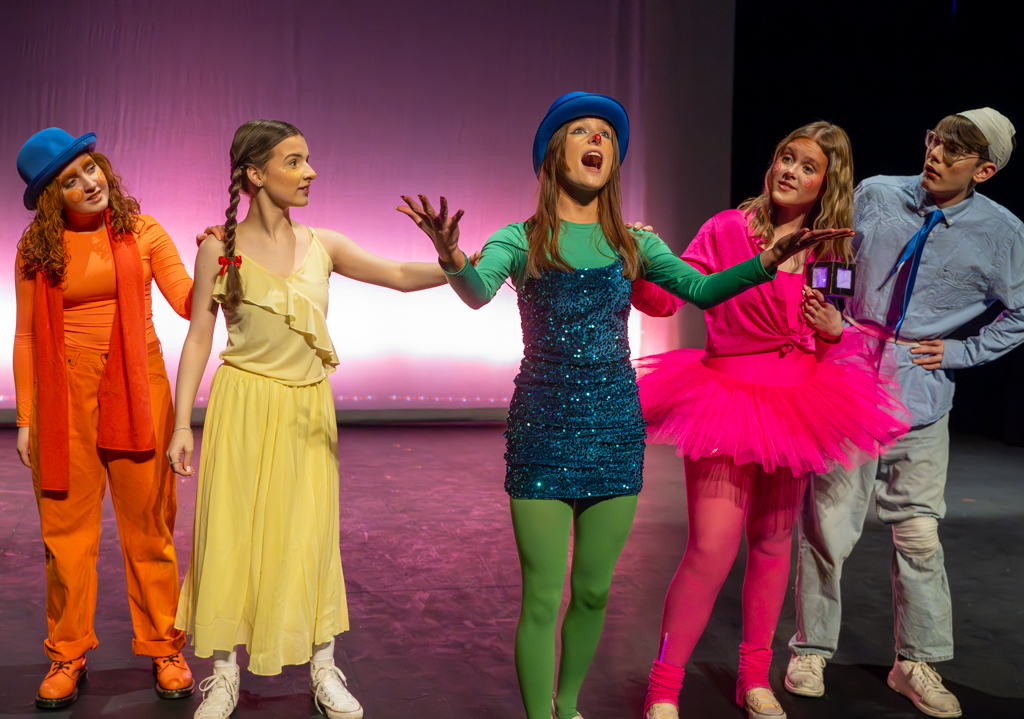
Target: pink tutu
778 409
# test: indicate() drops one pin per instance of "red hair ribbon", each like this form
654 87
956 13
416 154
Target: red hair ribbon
224 262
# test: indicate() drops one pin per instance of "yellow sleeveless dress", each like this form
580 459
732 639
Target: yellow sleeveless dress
265 569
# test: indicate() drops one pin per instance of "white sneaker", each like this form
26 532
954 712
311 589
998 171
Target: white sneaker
760 703
220 694
804 675
662 710
922 685
331 694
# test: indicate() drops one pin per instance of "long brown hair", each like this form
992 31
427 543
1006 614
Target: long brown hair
252 146
834 209
542 229
41 248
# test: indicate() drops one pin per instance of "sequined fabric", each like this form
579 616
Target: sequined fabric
574 427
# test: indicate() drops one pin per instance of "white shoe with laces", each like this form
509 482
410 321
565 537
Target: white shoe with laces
761 703
220 694
662 710
328 686
804 675
922 685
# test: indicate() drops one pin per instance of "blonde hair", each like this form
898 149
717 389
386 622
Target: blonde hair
834 209
543 228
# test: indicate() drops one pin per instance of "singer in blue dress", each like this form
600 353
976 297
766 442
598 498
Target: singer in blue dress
575 432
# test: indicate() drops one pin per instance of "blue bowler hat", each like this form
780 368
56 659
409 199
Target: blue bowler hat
574 105
45 155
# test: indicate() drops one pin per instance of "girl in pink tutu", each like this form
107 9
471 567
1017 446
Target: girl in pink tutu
775 396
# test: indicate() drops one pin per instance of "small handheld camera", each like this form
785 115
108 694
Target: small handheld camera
832 279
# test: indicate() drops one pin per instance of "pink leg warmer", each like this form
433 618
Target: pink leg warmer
664 684
754 664
769 524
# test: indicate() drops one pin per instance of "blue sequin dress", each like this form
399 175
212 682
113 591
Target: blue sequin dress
574 427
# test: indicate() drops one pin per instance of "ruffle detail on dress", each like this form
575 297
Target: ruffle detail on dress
272 293
846 413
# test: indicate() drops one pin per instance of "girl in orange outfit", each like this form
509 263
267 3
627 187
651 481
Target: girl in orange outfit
94 402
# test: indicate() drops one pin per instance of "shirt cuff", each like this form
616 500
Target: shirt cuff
465 264
761 270
954 355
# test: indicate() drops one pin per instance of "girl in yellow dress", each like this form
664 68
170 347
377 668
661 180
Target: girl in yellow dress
265 569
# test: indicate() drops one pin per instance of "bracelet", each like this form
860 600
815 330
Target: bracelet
177 428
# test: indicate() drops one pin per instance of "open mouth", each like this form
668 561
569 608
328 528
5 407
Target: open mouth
94 196
930 171
783 185
593 159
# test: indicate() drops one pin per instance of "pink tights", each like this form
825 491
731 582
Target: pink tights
723 500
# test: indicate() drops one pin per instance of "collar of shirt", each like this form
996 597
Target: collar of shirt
923 203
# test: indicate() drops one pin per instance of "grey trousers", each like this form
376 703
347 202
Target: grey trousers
908 482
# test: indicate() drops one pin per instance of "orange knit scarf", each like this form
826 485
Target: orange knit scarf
125 419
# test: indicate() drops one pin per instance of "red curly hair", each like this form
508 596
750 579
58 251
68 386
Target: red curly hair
41 248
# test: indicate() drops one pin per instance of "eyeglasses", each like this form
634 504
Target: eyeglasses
951 152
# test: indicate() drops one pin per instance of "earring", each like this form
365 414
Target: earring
259 184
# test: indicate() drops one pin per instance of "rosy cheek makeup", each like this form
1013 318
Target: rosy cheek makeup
778 166
75 195
808 182
100 177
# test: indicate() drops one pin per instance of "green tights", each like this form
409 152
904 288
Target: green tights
542 538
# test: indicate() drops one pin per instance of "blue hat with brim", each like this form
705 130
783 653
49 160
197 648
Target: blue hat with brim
574 105
45 155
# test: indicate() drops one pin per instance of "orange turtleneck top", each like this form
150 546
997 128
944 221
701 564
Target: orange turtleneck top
90 298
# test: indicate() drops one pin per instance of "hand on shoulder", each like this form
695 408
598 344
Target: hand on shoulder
210 247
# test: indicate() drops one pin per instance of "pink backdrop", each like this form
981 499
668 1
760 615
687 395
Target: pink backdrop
393 97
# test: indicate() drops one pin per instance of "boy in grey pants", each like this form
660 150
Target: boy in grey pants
932 254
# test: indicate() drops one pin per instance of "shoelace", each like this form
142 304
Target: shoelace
210 686
928 678
174 659
664 711
62 666
334 692
59 666
807 662
761 697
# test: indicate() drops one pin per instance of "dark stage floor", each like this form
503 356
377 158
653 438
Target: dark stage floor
434 587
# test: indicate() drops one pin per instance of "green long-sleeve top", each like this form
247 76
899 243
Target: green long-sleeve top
585 246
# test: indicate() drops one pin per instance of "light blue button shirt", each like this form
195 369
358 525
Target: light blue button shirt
972 258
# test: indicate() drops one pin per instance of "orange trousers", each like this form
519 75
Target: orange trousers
143 491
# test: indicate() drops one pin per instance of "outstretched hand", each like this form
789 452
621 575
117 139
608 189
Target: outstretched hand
442 230
795 242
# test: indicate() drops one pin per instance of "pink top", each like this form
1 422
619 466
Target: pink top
764 318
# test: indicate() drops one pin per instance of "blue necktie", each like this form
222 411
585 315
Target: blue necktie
913 249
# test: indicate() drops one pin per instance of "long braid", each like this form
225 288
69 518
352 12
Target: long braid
233 283
253 146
